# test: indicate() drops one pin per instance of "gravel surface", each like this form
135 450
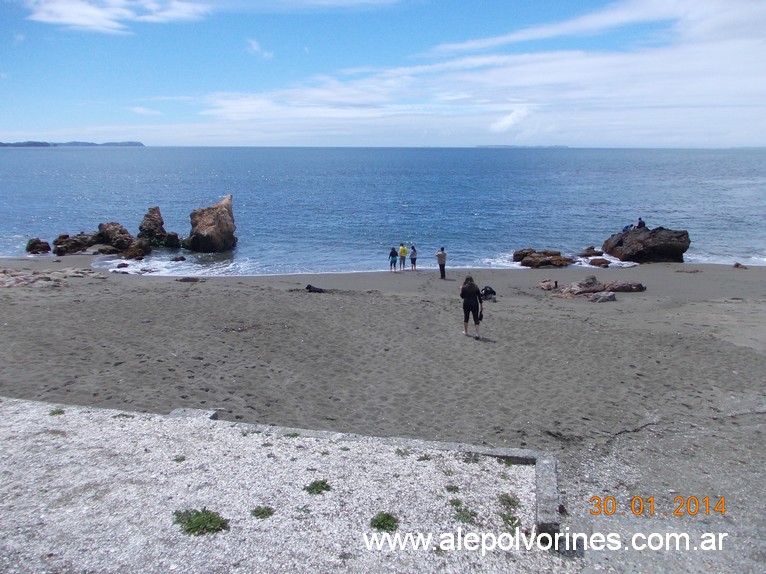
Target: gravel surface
96 490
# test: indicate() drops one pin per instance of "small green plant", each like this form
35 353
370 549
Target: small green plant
344 448
402 452
509 501
317 487
462 513
471 458
510 520
292 435
262 511
506 461
179 458
267 444
56 412
123 416
385 522
448 472
199 522
452 488
248 432
424 457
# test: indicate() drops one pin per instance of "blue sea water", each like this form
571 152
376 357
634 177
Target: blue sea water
307 210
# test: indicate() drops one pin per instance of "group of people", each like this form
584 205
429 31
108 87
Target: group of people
399 256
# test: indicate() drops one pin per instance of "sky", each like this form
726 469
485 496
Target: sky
412 73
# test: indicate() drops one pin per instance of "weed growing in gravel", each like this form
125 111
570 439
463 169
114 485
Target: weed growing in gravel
424 457
262 511
463 514
317 487
199 522
448 472
402 452
292 435
452 488
248 432
471 458
384 521
506 461
123 416
56 412
179 458
509 503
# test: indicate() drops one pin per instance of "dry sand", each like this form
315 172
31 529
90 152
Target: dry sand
660 393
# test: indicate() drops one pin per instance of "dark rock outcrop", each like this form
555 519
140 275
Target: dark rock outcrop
114 234
212 228
599 262
152 227
68 244
648 245
529 257
37 246
591 251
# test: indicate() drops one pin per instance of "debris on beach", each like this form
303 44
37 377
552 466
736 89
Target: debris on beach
51 278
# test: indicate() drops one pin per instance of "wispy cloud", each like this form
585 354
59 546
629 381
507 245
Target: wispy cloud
113 16
699 86
142 111
255 48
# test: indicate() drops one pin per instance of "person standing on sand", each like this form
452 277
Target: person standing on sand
413 257
441 259
402 256
392 259
473 304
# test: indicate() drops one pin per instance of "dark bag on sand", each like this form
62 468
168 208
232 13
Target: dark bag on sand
488 292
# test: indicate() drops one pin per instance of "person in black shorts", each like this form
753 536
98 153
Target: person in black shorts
473 304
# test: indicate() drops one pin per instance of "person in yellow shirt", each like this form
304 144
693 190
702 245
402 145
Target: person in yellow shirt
402 256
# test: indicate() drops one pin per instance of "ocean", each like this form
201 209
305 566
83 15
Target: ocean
317 210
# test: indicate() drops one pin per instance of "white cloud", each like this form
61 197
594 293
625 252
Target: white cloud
507 122
113 16
255 48
142 111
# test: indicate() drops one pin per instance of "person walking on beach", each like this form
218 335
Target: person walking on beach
402 256
392 259
413 257
441 259
473 304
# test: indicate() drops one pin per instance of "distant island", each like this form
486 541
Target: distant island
523 146
73 144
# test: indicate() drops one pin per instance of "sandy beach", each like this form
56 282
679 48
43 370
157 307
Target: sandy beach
659 393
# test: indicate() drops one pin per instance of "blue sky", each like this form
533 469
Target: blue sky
582 73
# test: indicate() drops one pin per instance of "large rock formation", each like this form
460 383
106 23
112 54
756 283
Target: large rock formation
529 257
648 245
152 227
212 228
114 234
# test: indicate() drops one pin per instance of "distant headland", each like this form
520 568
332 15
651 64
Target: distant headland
72 144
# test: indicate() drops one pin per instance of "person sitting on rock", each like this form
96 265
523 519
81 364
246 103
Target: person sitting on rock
640 224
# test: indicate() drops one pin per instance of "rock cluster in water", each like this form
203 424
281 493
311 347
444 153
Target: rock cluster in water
212 231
